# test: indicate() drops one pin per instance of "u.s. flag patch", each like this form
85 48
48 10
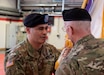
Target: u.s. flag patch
9 63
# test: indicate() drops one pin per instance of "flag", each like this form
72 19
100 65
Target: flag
97 14
87 4
102 34
84 4
96 10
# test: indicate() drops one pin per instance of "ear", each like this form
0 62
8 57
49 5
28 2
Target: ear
70 30
27 30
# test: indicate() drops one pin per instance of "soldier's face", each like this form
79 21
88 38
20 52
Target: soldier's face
38 34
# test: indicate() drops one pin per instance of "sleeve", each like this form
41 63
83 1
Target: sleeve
6 58
59 59
71 68
57 53
14 66
63 54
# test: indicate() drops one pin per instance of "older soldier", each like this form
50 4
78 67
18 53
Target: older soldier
87 55
32 56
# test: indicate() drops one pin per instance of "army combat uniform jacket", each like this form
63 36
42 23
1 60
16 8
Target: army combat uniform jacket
85 58
24 60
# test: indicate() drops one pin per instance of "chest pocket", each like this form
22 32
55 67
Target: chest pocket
49 62
31 67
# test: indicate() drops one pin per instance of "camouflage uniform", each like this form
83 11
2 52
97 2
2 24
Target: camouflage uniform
85 58
24 60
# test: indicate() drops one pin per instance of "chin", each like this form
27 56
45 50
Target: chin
43 41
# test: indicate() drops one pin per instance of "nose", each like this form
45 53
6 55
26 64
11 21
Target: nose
45 31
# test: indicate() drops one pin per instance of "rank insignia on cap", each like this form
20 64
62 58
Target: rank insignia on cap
46 17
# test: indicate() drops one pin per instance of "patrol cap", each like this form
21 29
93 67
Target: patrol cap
35 19
76 14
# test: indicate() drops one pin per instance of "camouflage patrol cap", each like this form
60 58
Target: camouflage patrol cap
76 14
35 19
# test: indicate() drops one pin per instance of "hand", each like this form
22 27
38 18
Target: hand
66 51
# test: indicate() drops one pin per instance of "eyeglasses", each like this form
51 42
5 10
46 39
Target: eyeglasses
64 28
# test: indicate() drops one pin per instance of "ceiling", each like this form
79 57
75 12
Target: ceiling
52 7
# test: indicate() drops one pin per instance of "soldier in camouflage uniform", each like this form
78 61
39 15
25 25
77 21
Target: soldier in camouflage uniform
32 56
87 55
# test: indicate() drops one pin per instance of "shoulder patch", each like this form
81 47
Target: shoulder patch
9 63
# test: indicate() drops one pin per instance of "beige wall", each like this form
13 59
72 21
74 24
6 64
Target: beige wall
57 30
8 3
6 31
3 33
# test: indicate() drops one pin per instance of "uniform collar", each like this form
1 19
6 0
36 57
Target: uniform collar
85 39
31 51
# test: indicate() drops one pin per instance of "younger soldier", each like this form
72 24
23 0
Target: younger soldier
33 56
